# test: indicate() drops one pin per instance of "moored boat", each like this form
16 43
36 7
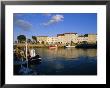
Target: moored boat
52 47
35 60
34 57
68 46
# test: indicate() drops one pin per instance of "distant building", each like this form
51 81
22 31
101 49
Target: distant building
92 38
70 37
82 38
52 40
67 38
61 38
49 40
42 39
89 38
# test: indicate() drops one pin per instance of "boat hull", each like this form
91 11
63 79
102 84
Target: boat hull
52 47
34 60
69 46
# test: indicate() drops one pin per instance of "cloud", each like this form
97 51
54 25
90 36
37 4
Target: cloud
25 25
57 18
54 19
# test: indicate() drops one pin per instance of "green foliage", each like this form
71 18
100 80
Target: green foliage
34 39
72 43
86 35
84 42
29 41
21 38
42 42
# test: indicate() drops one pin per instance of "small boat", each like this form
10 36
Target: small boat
52 47
36 58
68 46
33 58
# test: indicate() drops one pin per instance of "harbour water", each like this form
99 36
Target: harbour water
64 61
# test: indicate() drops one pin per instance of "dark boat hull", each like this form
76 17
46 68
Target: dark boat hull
34 60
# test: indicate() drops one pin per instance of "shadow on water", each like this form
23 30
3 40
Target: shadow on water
25 68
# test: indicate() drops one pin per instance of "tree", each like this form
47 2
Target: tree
15 42
84 42
34 39
38 42
42 42
71 42
86 35
28 40
21 38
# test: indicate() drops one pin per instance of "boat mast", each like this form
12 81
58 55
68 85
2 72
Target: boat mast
26 50
26 53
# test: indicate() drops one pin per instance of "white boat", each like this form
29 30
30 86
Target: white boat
33 55
68 46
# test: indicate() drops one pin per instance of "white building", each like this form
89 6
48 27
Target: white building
70 37
42 39
92 38
52 40
67 38
61 38
82 39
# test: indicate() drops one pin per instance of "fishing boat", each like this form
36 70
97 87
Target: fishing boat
21 64
31 56
34 58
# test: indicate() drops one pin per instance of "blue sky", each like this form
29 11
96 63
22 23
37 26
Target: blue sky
51 24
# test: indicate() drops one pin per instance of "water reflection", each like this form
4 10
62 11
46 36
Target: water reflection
25 68
68 61
67 53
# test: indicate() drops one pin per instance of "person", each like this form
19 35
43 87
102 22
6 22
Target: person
32 53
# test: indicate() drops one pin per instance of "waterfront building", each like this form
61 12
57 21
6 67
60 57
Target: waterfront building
82 38
70 37
49 40
89 38
67 38
42 39
92 38
52 40
61 38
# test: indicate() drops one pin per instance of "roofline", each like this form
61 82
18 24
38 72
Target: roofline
41 36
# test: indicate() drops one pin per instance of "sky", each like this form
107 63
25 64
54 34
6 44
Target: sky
51 24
